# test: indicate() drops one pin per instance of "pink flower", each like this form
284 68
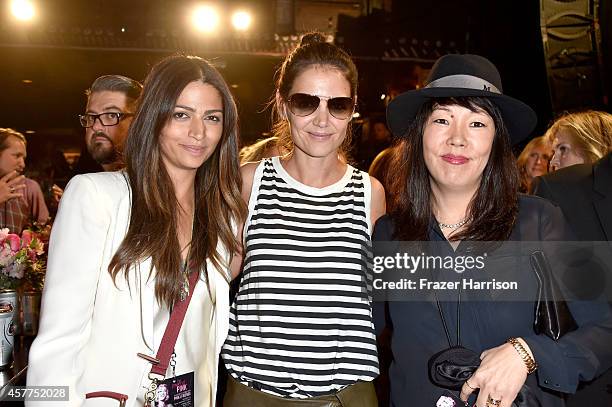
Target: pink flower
27 236
14 241
3 234
16 270
6 256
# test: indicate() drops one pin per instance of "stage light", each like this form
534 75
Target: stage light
205 18
356 115
241 20
23 10
383 96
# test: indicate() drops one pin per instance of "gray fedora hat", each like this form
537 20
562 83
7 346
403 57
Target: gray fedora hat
456 75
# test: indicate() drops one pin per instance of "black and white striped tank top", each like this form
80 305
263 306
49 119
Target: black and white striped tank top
301 324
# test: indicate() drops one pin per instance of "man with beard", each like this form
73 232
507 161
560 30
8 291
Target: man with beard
110 107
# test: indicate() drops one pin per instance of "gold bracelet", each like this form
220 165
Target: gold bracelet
530 364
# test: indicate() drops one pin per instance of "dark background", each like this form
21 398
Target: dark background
75 41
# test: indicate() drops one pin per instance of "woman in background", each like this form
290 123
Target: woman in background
533 162
263 148
581 137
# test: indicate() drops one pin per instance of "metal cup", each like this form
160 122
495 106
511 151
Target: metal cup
8 311
30 306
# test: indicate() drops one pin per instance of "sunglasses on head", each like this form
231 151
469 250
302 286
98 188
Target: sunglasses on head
302 104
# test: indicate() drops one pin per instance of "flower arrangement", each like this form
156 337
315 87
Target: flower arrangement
22 262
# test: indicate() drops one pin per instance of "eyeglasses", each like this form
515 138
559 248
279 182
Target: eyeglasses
106 119
302 104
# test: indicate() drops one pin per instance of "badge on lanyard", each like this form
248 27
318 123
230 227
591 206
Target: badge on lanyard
175 391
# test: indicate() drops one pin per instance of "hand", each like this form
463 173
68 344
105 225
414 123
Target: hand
56 194
11 186
500 376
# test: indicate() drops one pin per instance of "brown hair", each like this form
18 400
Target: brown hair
521 161
380 169
590 131
312 51
154 207
6 133
493 209
262 148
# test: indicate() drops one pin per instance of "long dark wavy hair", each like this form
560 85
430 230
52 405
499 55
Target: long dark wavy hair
152 231
493 209
313 50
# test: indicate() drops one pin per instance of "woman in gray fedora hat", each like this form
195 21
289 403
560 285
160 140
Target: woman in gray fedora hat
456 185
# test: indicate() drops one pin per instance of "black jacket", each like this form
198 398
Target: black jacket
417 331
584 193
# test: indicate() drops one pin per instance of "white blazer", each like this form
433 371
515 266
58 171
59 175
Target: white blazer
91 329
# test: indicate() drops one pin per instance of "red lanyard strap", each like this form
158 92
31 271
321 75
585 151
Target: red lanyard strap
166 347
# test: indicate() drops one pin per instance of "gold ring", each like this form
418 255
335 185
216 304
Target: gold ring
468 385
492 401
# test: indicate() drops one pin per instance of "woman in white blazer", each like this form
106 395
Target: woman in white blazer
122 241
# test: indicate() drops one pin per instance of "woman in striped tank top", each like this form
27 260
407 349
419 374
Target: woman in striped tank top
301 329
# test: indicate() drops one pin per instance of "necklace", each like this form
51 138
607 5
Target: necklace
185 283
453 225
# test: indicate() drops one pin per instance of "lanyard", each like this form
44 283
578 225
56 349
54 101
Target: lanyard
166 347
444 324
441 312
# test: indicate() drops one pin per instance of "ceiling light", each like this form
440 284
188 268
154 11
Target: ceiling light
241 20
205 18
23 10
